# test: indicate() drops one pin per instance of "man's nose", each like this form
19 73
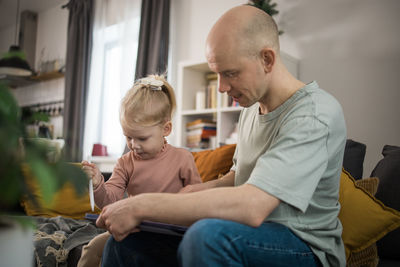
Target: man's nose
223 85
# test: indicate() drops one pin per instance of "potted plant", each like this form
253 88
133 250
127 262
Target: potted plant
20 155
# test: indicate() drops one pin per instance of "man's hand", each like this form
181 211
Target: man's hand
93 172
119 219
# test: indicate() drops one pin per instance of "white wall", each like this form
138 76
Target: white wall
51 38
350 47
52 35
7 39
51 44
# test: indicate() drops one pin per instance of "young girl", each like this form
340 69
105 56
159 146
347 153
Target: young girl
152 165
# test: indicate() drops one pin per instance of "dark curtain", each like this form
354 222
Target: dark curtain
153 38
79 44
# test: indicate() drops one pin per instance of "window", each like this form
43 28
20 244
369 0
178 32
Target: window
111 73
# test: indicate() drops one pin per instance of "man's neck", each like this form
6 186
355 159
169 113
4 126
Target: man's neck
281 89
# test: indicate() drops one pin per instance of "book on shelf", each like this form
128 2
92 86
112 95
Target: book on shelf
199 132
235 104
211 90
203 125
204 133
211 94
199 123
226 101
211 76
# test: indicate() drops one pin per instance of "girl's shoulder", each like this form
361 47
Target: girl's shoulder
126 159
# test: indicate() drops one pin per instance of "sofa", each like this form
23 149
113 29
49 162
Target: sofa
370 223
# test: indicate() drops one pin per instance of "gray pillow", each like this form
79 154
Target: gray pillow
353 159
388 172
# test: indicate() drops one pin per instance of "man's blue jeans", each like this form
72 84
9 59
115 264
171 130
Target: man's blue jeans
212 242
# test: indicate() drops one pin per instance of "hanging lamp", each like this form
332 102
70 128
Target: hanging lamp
14 62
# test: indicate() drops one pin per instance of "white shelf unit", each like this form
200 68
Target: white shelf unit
191 79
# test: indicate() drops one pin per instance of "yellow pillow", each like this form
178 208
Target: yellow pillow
365 219
210 163
66 202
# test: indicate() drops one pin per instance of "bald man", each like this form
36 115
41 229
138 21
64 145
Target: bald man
278 205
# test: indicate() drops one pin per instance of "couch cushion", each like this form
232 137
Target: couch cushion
353 159
66 201
211 163
369 255
388 171
364 218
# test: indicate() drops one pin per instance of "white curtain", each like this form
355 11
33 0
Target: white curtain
112 71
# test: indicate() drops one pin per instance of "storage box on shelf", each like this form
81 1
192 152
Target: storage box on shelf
193 77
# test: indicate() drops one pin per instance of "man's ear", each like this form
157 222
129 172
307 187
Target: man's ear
268 59
167 128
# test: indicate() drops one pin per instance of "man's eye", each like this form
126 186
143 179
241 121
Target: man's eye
230 74
142 139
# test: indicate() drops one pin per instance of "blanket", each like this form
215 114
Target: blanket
56 237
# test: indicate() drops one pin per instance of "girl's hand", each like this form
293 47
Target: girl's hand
93 172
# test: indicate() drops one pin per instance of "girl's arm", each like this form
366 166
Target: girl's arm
113 190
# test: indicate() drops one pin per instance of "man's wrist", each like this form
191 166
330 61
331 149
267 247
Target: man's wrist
137 206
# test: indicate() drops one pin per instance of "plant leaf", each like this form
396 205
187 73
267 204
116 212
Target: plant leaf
73 173
43 174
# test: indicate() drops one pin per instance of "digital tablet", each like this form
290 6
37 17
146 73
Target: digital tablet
149 226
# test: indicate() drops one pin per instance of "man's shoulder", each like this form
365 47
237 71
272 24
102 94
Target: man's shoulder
319 103
321 98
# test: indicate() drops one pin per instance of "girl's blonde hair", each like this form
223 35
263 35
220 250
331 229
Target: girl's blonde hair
151 101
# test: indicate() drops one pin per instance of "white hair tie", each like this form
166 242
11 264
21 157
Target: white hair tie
152 82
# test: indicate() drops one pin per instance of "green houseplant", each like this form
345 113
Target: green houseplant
22 160
19 154
266 6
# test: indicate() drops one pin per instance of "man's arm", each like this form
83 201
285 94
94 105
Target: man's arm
227 180
245 204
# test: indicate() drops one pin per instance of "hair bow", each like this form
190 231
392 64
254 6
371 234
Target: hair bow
152 82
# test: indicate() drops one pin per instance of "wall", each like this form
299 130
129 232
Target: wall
350 47
7 38
352 50
52 35
51 44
